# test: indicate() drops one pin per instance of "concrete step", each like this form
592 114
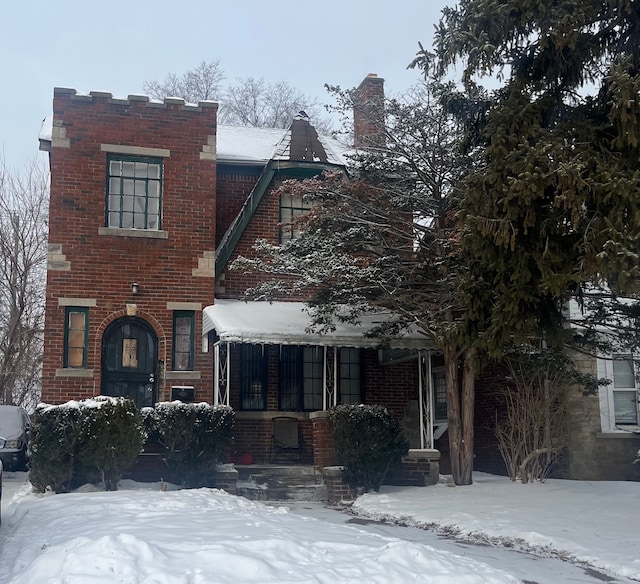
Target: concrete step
280 483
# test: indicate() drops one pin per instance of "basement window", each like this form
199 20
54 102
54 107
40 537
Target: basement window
134 192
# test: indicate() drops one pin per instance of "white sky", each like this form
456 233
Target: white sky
141 534
118 45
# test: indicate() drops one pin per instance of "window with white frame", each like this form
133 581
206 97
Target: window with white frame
620 399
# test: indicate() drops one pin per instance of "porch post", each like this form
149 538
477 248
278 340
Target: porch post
425 399
221 374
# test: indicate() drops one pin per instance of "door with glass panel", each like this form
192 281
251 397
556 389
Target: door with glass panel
130 361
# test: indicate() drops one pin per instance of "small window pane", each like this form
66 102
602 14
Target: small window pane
128 187
114 186
625 405
154 171
128 168
127 220
154 189
75 357
623 374
138 221
140 204
153 223
141 170
114 203
115 167
153 206
76 320
114 219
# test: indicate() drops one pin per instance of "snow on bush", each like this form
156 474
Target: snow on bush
93 440
193 436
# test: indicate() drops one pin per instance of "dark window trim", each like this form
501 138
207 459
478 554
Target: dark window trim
247 375
65 358
192 316
341 379
132 158
292 371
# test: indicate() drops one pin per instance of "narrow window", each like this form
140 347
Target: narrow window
625 394
253 377
349 378
439 396
76 337
183 340
134 188
312 378
300 378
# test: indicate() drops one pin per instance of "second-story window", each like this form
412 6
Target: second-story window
134 192
291 208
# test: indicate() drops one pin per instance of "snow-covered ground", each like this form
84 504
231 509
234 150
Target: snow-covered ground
143 535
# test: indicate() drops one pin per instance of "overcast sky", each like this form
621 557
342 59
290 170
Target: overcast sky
117 45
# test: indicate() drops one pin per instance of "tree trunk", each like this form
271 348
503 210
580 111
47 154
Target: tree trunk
454 418
468 410
460 412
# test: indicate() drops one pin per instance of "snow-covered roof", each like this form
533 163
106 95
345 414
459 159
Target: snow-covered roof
244 144
287 323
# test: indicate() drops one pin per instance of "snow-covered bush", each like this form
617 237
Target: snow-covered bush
55 433
112 436
368 441
84 441
194 437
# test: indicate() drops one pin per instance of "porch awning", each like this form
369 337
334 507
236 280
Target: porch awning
286 323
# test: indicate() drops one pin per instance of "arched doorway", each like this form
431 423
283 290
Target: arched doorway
130 361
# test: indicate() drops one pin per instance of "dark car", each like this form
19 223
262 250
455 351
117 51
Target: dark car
14 428
1 446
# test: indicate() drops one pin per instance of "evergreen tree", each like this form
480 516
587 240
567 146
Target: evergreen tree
552 212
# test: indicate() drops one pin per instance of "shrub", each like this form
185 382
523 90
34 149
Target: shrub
55 433
368 440
83 441
194 437
112 436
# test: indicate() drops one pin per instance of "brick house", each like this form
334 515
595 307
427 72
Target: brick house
150 202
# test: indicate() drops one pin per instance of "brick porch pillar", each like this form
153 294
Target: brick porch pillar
324 446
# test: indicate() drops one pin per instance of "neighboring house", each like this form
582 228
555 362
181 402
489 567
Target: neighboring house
604 428
150 203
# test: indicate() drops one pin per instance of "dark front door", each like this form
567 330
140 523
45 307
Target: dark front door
130 360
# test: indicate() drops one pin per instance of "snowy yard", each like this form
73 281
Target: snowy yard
143 535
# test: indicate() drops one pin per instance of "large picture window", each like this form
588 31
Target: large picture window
76 337
134 192
183 340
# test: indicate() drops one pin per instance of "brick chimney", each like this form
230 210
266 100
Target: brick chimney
368 112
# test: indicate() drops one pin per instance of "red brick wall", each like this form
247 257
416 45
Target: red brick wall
104 266
234 183
390 385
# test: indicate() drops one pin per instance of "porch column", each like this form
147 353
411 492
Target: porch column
329 378
221 374
425 399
